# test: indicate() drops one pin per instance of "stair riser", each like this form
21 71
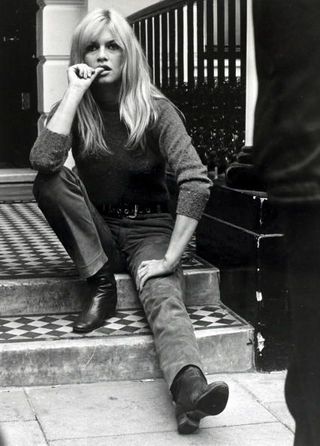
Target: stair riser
43 296
122 358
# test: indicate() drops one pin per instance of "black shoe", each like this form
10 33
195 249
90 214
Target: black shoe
196 399
101 306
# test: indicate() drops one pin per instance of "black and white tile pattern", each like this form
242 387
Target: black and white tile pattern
125 322
29 247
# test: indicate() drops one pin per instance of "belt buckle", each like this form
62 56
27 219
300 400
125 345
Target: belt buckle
119 213
135 212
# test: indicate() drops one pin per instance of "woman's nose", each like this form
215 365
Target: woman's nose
102 55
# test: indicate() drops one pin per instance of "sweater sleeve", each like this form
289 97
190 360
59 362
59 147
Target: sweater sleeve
191 175
50 151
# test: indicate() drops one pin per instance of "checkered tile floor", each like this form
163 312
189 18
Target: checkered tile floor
125 322
29 247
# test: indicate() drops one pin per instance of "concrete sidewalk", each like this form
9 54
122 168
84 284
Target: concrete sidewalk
140 413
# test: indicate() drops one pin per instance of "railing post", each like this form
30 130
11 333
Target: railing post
251 78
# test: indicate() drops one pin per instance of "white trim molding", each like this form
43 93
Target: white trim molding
43 3
251 78
125 7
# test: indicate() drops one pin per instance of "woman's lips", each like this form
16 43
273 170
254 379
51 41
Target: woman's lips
105 72
105 69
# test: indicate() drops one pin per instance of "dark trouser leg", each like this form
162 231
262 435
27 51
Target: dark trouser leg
162 298
64 201
176 345
303 381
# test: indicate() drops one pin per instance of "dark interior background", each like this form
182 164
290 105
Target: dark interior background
18 81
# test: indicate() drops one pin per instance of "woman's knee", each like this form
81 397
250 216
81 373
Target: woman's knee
160 290
51 186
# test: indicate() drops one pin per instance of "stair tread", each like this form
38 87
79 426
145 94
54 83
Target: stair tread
38 276
126 322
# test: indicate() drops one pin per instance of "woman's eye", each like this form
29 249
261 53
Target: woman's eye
113 46
91 47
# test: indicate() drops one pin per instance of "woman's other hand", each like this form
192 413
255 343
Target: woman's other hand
152 268
81 76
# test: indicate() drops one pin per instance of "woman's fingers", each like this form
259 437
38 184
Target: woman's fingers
145 274
151 268
142 273
83 71
144 263
143 280
96 73
82 76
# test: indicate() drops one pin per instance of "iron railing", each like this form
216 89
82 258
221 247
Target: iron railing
193 41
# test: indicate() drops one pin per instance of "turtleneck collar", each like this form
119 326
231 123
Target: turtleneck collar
109 106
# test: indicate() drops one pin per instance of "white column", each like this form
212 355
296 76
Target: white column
252 82
56 20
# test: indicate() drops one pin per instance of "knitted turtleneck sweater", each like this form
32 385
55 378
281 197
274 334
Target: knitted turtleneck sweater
132 176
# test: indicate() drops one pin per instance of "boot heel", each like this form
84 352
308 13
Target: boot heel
186 424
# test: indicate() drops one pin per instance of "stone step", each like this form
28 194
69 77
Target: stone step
37 276
42 350
67 294
16 184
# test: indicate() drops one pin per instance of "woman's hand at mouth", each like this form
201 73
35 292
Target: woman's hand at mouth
81 76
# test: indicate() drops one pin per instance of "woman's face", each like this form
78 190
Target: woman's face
105 52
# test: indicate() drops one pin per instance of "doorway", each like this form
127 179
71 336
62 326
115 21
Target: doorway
18 82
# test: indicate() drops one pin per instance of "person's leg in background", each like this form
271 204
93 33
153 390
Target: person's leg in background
175 342
81 229
287 154
303 381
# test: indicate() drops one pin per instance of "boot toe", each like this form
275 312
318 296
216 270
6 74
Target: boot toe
85 327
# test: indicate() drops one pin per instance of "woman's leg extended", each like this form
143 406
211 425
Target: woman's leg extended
64 201
176 345
162 300
175 342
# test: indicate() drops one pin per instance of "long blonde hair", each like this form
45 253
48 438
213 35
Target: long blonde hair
137 93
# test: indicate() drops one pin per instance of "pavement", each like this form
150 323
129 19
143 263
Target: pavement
140 413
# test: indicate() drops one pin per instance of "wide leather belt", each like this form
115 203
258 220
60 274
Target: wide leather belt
131 210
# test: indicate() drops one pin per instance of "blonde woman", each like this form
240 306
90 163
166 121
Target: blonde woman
111 213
